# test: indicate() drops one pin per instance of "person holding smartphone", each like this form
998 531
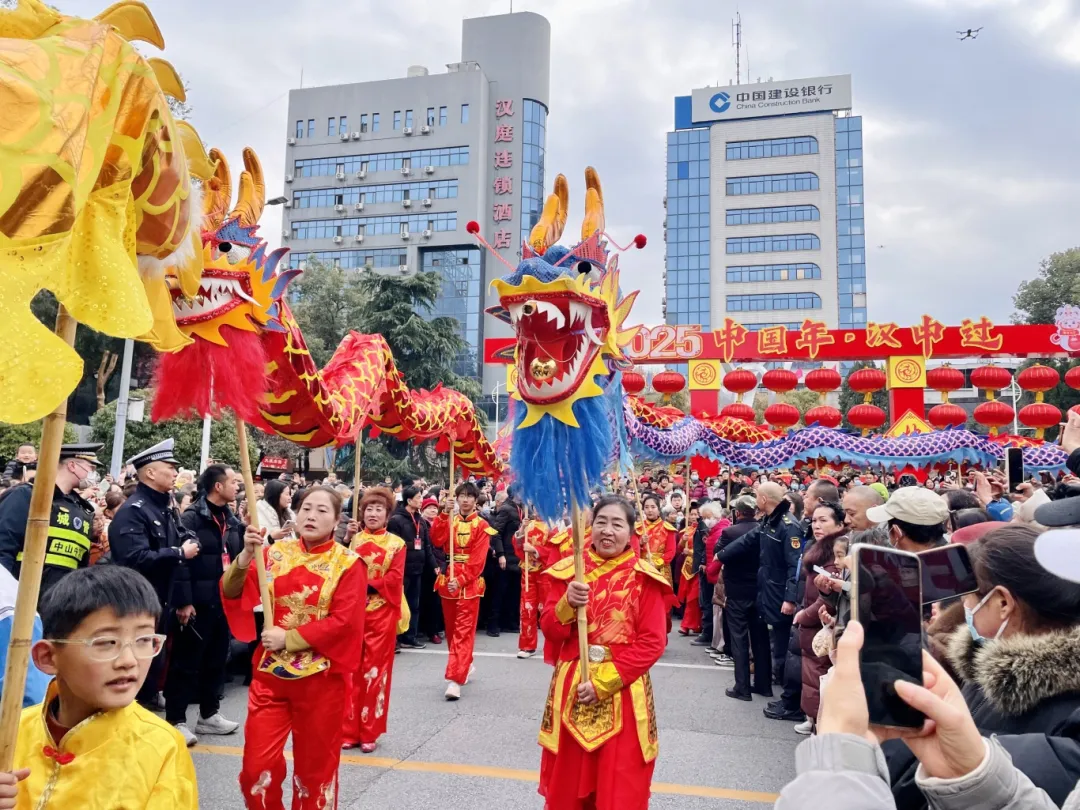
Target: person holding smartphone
275 512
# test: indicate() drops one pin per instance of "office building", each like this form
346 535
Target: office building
765 206
386 174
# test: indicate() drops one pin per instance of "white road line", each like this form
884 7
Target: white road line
541 658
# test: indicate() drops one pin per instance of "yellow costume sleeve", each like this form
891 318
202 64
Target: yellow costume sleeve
564 612
176 787
232 581
605 679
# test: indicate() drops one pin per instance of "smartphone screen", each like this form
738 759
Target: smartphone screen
887 600
946 574
1014 467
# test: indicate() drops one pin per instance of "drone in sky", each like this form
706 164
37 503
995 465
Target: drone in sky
971 33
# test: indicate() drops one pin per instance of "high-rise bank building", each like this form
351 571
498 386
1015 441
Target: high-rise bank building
764 206
385 174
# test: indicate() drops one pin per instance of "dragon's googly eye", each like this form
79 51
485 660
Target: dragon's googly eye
528 308
238 254
587 268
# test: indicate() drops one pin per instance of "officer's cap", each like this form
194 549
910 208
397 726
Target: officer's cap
86 451
162 451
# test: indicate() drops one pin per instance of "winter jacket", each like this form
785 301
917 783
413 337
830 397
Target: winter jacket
780 545
1024 688
505 522
699 491
852 774
809 623
738 551
713 565
411 527
219 532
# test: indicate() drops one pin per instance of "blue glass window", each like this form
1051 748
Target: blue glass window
397 119
300 128
780 213
772 147
533 147
382 161
408 118
430 116
331 126
773 272
374 122
688 231
363 122
460 298
442 116
850 223
772 183
382 193
311 128
351 259
768 244
374 226
343 125
464 113
773 301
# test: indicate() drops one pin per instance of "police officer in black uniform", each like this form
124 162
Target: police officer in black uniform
70 521
146 535
778 571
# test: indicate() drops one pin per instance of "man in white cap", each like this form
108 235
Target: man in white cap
915 518
145 534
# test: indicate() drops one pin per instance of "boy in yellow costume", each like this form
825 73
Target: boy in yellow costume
90 745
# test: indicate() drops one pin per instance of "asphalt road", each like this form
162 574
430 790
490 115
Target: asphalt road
481 751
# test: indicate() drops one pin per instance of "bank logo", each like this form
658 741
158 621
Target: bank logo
720 102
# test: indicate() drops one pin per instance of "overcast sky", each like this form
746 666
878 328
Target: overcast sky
971 154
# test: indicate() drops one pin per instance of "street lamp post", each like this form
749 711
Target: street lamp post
495 396
1014 392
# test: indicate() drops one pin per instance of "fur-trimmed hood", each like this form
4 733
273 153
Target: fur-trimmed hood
1018 673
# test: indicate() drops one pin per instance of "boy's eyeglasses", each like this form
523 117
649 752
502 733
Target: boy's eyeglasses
108 648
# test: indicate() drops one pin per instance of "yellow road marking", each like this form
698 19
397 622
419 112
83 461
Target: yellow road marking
491 772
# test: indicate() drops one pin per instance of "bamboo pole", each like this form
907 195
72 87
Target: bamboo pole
453 515
34 548
579 576
356 476
253 516
525 554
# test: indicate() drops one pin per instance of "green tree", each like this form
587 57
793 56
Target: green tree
849 399
187 434
680 399
1057 283
329 303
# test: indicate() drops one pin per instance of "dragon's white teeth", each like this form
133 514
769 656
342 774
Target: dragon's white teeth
594 334
579 311
553 312
238 289
515 313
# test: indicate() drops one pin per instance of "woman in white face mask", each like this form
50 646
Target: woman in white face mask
1018 660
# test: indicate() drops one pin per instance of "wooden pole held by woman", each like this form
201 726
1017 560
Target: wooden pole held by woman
253 516
453 515
34 548
579 576
356 475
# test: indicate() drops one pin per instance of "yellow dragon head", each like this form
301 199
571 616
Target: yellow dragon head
240 286
96 199
566 309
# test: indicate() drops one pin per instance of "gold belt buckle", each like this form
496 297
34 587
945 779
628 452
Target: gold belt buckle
597 654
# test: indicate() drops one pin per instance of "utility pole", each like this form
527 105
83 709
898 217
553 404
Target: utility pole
736 40
122 411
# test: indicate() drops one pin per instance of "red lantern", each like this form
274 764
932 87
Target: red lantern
993 413
780 380
668 383
739 410
944 379
991 378
781 415
865 417
823 380
740 381
1038 378
1072 377
866 381
947 415
1040 415
632 382
824 415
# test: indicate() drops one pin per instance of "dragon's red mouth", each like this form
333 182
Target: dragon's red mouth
559 336
220 291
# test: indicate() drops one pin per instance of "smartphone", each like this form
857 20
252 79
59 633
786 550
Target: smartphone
1014 467
886 599
946 574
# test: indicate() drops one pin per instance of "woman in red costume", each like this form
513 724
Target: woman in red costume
690 588
658 540
368 693
317 587
599 736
